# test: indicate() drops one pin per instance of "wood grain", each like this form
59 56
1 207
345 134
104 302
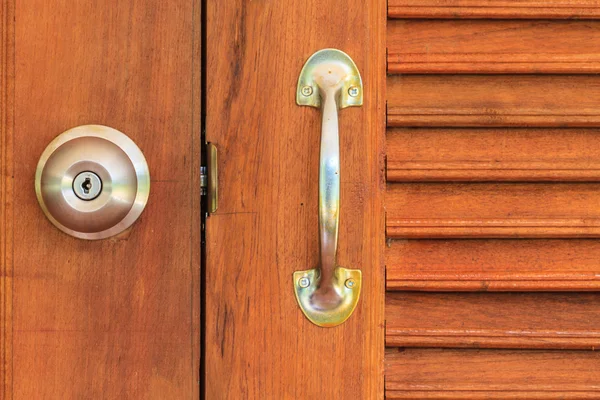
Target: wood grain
493 265
492 374
511 9
115 318
491 110
493 320
6 194
487 46
421 154
440 210
259 345
494 101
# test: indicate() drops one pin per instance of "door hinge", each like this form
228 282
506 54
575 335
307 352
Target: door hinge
209 179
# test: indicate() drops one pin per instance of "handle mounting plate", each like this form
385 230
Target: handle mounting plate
307 92
346 282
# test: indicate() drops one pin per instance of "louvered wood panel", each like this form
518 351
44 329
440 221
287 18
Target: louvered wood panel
493 265
494 100
492 374
492 112
526 9
493 320
510 154
492 46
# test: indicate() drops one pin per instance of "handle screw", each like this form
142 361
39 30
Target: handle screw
304 282
307 90
353 91
350 283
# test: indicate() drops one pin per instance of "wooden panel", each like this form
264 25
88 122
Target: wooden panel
489 265
6 193
477 46
497 100
439 210
259 345
115 318
493 155
493 320
528 9
492 374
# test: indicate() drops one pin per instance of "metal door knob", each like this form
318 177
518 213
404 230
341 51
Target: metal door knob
92 182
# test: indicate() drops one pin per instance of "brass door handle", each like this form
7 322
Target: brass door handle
328 294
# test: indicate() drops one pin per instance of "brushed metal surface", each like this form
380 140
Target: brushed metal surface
111 156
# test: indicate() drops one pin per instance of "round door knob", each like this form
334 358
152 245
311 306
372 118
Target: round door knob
92 182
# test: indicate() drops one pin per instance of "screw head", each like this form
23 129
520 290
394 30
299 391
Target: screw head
304 282
353 91
350 283
307 91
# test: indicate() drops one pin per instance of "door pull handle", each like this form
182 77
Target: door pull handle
329 293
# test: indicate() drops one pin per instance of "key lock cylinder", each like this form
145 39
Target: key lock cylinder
92 182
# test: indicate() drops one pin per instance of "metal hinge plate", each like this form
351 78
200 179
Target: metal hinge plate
209 179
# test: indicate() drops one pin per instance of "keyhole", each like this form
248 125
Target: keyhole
86 185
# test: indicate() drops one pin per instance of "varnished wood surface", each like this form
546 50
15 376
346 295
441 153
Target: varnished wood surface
491 46
493 265
493 320
492 374
259 344
492 116
490 210
116 318
6 194
494 100
513 154
507 9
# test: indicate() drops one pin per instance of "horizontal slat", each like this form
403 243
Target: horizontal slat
491 374
493 320
478 46
419 154
494 100
442 210
493 265
509 9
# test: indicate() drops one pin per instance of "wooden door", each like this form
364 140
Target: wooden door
490 203
258 343
469 191
492 200
117 318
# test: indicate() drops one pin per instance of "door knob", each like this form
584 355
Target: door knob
329 293
92 182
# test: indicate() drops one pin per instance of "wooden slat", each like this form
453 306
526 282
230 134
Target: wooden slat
440 210
484 46
493 320
496 100
492 374
7 70
419 154
508 9
493 265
